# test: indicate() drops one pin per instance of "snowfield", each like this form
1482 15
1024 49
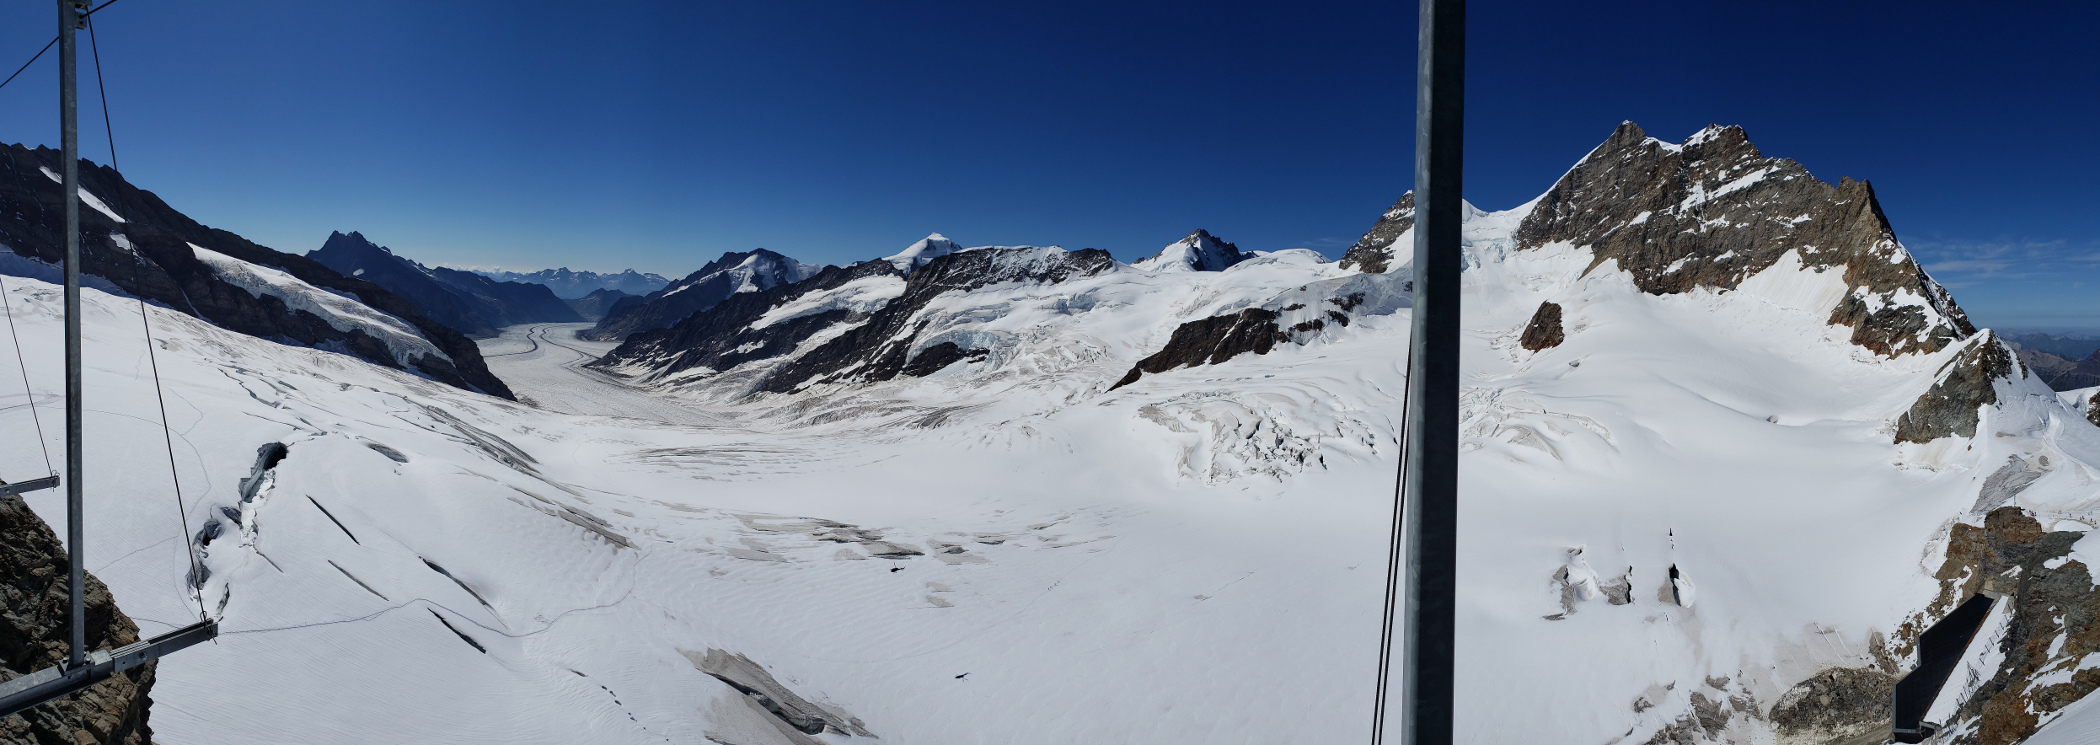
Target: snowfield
1008 551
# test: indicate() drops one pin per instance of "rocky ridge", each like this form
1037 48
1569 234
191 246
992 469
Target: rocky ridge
1199 251
468 302
149 254
736 272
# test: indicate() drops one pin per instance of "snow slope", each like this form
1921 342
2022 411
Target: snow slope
342 313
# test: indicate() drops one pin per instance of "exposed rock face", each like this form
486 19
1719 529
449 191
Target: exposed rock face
32 224
724 336
1834 707
468 302
33 635
595 305
1544 331
1375 253
2012 553
1197 252
1712 212
2092 408
737 272
939 356
569 284
1966 383
880 337
1209 341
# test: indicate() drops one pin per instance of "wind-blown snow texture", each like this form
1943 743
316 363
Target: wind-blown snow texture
923 501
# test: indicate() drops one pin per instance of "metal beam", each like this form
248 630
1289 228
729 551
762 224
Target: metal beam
24 487
52 682
1429 523
70 18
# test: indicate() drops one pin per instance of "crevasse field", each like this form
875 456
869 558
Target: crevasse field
1008 552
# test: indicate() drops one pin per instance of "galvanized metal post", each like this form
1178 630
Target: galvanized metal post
1430 482
69 19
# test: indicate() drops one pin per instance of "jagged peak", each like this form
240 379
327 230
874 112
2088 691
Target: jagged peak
1199 251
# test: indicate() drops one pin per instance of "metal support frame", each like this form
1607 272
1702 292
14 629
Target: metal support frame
1429 524
72 15
82 668
52 682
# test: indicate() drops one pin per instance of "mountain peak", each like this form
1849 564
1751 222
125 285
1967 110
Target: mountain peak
1199 251
931 247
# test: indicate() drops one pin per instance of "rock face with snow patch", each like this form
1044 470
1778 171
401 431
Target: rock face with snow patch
918 254
1197 252
140 245
737 272
2054 622
1376 252
1713 211
1966 384
33 634
468 302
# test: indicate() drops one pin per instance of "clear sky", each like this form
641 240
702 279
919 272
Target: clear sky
656 135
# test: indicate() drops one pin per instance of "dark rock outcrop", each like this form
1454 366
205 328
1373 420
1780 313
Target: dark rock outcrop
737 272
1209 341
33 635
1374 253
935 358
1713 211
1544 331
167 270
1838 705
468 302
596 305
1966 383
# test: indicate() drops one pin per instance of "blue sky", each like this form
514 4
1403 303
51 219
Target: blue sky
530 134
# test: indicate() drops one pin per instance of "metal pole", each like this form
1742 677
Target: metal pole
69 19
1429 525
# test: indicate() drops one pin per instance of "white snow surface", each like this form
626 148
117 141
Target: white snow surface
341 313
755 273
1193 558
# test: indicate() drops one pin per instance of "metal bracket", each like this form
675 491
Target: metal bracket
47 482
52 682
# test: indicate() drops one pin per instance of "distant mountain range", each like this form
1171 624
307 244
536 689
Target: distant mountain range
569 284
594 306
473 304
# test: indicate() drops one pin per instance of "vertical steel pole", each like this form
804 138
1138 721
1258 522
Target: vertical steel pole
69 18
1430 521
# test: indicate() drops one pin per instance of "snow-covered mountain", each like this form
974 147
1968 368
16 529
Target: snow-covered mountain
570 284
931 247
1726 451
1197 252
133 242
737 272
474 304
